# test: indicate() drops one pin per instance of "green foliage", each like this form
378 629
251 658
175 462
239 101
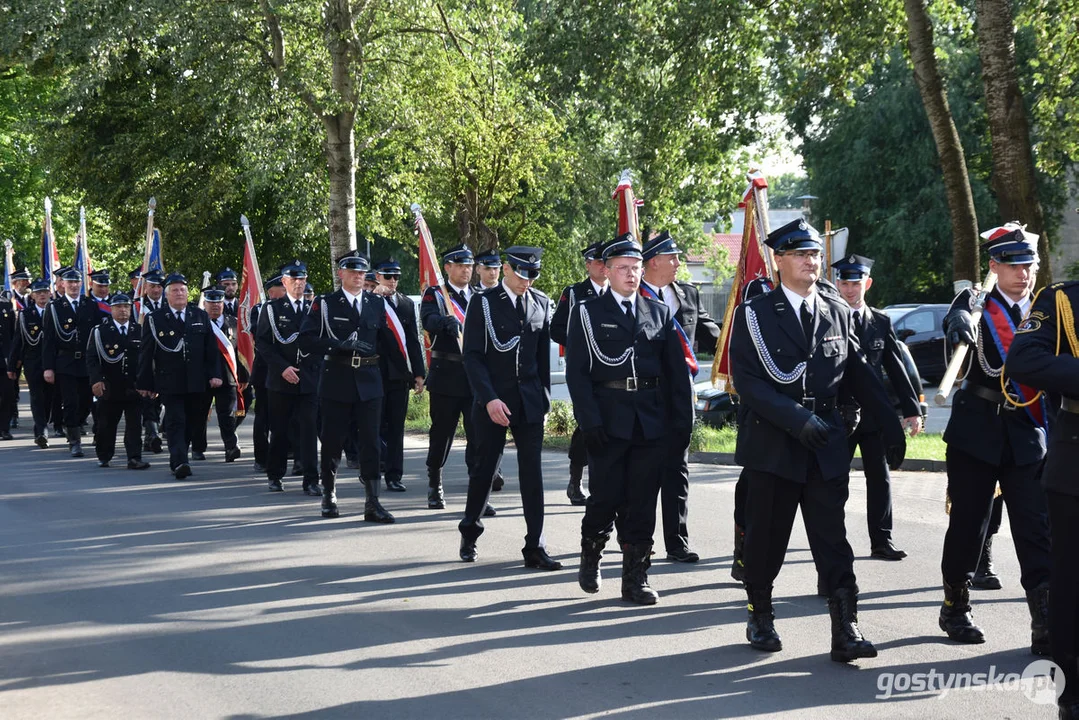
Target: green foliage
560 420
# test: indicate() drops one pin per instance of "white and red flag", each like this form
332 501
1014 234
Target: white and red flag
627 206
250 296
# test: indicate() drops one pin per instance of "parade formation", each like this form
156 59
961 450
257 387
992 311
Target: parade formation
330 375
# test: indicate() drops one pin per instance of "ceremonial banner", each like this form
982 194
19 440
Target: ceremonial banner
754 263
9 265
50 257
627 207
82 254
151 234
431 276
250 296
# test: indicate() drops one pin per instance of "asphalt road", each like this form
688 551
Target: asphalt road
131 595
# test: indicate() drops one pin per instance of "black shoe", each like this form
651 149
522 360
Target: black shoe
435 499
196 455
275 485
372 508
155 444
498 483
588 576
955 616
539 559
636 559
137 464
761 629
984 576
683 555
103 463
231 454
1038 602
183 471
489 511
258 467
574 493
312 490
888 551
395 486
329 505
41 441
468 550
848 644
5 435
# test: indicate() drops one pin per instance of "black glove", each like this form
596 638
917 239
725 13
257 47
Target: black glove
814 434
358 346
894 454
451 325
595 438
852 415
959 327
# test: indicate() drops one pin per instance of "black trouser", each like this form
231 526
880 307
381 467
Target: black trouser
41 394
7 401
674 497
394 408
1064 589
339 419
110 409
878 485
151 410
445 412
997 516
248 396
578 451
971 484
76 396
623 481
490 440
298 412
741 491
56 406
224 399
771 503
184 413
261 427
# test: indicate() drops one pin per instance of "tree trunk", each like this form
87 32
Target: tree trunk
965 264
341 162
1013 178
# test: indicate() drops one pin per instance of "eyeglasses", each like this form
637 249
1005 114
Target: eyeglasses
626 269
802 254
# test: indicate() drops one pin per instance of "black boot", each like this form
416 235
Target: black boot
591 553
372 508
573 491
955 616
738 564
435 499
636 559
847 641
761 629
984 577
1038 602
74 441
329 503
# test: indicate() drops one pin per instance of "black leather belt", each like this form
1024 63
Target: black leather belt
997 398
817 405
1069 405
356 361
443 355
631 384
77 354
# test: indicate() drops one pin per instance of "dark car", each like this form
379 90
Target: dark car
912 373
714 407
922 330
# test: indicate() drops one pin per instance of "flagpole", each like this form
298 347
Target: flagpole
151 206
428 246
254 258
9 256
84 250
48 247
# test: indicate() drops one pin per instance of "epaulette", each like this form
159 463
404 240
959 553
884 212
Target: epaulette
539 293
1064 285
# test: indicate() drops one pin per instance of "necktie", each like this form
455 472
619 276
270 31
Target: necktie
299 307
629 308
179 317
123 331
859 322
521 309
807 322
356 305
1016 316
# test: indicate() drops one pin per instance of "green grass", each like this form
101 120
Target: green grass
560 425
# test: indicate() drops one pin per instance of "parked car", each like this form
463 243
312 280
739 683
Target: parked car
921 328
894 312
714 407
912 373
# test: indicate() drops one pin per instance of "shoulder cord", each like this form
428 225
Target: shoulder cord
1065 319
26 333
326 324
586 323
984 363
64 337
101 353
513 344
153 333
277 334
766 358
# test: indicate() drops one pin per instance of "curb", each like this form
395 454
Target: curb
911 465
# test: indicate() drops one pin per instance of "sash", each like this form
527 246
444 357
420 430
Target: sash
398 332
104 307
687 349
17 301
1002 330
228 352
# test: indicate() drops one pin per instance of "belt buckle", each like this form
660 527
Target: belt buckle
356 360
78 354
631 384
810 403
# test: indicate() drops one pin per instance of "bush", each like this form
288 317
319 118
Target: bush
419 408
560 420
